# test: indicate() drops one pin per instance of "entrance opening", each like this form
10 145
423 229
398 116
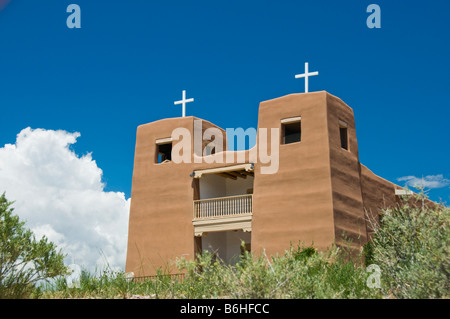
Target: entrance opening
227 245
213 186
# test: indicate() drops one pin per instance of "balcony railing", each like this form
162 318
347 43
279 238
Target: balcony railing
222 207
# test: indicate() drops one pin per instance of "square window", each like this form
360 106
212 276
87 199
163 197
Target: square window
163 153
291 130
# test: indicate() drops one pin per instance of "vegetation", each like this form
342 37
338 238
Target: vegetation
299 273
24 261
410 247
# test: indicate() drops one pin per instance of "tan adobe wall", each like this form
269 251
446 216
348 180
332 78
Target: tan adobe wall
160 224
378 194
295 204
160 227
349 219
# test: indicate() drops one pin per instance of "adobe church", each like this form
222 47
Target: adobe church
319 192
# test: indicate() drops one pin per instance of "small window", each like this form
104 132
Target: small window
343 134
163 152
291 130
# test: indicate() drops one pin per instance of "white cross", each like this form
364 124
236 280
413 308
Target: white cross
183 101
306 75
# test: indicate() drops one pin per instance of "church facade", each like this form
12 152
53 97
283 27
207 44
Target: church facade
317 193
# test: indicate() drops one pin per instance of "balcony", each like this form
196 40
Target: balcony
223 207
222 214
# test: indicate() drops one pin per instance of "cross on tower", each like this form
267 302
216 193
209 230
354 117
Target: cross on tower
306 75
183 101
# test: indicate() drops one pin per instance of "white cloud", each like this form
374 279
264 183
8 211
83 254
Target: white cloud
430 181
61 195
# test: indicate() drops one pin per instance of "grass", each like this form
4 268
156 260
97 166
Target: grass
298 273
411 248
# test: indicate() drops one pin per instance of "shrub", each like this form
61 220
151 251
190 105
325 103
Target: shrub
298 273
412 248
24 261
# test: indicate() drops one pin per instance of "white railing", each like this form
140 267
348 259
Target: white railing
223 207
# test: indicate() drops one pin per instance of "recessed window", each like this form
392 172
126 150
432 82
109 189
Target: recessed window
291 130
163 150
343 134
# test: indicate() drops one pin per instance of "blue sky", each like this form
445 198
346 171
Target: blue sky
131 59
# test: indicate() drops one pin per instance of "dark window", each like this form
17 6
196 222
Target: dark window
291 132
163 152
344 136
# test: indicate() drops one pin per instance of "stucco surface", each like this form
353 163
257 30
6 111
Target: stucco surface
295 203
319 193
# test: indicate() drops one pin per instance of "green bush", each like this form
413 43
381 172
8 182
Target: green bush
412 248
24 261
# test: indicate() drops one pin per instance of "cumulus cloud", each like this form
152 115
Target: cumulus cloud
430 181
61 195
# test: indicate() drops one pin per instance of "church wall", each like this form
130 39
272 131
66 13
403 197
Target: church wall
349 219
319 191
160 227
295 204
378 194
